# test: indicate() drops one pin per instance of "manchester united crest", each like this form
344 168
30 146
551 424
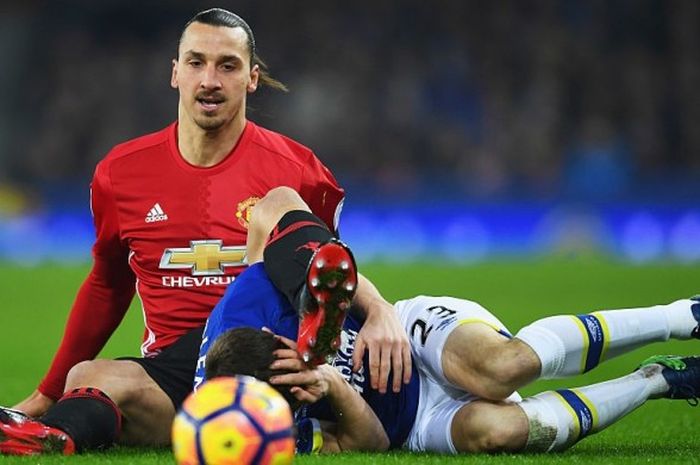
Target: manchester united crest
245 209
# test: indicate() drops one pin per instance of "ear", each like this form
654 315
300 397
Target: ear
254 79
173 76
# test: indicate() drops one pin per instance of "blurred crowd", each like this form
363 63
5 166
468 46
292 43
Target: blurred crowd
585 99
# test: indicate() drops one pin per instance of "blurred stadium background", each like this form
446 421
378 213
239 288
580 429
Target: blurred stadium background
460 130
539 157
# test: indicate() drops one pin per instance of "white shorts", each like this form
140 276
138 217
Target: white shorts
428 322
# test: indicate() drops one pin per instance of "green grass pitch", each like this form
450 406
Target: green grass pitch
35 303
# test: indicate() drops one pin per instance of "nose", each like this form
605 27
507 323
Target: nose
210 78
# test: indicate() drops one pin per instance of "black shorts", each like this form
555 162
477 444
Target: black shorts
173 368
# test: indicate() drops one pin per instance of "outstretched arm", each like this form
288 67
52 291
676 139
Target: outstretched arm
384 337
100 304
98 309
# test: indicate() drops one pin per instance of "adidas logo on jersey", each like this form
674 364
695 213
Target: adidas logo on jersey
156 214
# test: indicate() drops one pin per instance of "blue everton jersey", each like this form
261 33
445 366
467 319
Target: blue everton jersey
253 301
396 412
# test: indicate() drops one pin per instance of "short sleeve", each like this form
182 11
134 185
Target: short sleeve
321 192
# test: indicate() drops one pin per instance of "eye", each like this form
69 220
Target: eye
228 66
195 63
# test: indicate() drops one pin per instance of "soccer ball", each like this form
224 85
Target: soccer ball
229 421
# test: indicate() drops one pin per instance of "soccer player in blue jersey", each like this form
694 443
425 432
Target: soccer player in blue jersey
461 396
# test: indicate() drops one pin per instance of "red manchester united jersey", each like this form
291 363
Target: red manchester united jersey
175 234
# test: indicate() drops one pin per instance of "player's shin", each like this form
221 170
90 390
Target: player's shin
289 249
558 419
572 344
88 416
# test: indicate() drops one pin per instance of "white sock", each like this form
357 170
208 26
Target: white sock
572 344
558 419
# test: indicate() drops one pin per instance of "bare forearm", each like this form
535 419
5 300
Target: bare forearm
384 336
358 428
368 298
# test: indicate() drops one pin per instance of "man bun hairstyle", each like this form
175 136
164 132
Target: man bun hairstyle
223 18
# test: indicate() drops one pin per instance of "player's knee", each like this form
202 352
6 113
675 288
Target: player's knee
494 382
119 380
504 381
282 195
279 201
83 374
484 427
506 370
272 207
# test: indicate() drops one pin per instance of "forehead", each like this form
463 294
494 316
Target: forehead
214 40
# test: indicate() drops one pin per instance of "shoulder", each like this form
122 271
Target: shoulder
281 145
131 148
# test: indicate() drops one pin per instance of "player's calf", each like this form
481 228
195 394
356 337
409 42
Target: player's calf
146 408
572 344
83 419
291 245
695 308
558 419
483 426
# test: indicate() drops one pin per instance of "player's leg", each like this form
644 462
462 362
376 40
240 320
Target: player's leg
558 419
552 420
146 409
160 386
478 359
131 401
450 422
85 418
487 426
462 345
573 344
285 234
316 273
266 214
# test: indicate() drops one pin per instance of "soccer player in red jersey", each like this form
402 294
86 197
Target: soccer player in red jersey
171 211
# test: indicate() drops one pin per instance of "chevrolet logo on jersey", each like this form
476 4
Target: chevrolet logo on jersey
204 258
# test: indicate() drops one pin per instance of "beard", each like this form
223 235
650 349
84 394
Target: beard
209 123
211 120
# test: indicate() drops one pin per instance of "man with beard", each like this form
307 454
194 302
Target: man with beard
171 212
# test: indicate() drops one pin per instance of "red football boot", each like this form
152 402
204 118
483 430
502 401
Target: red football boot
331 281
21 435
